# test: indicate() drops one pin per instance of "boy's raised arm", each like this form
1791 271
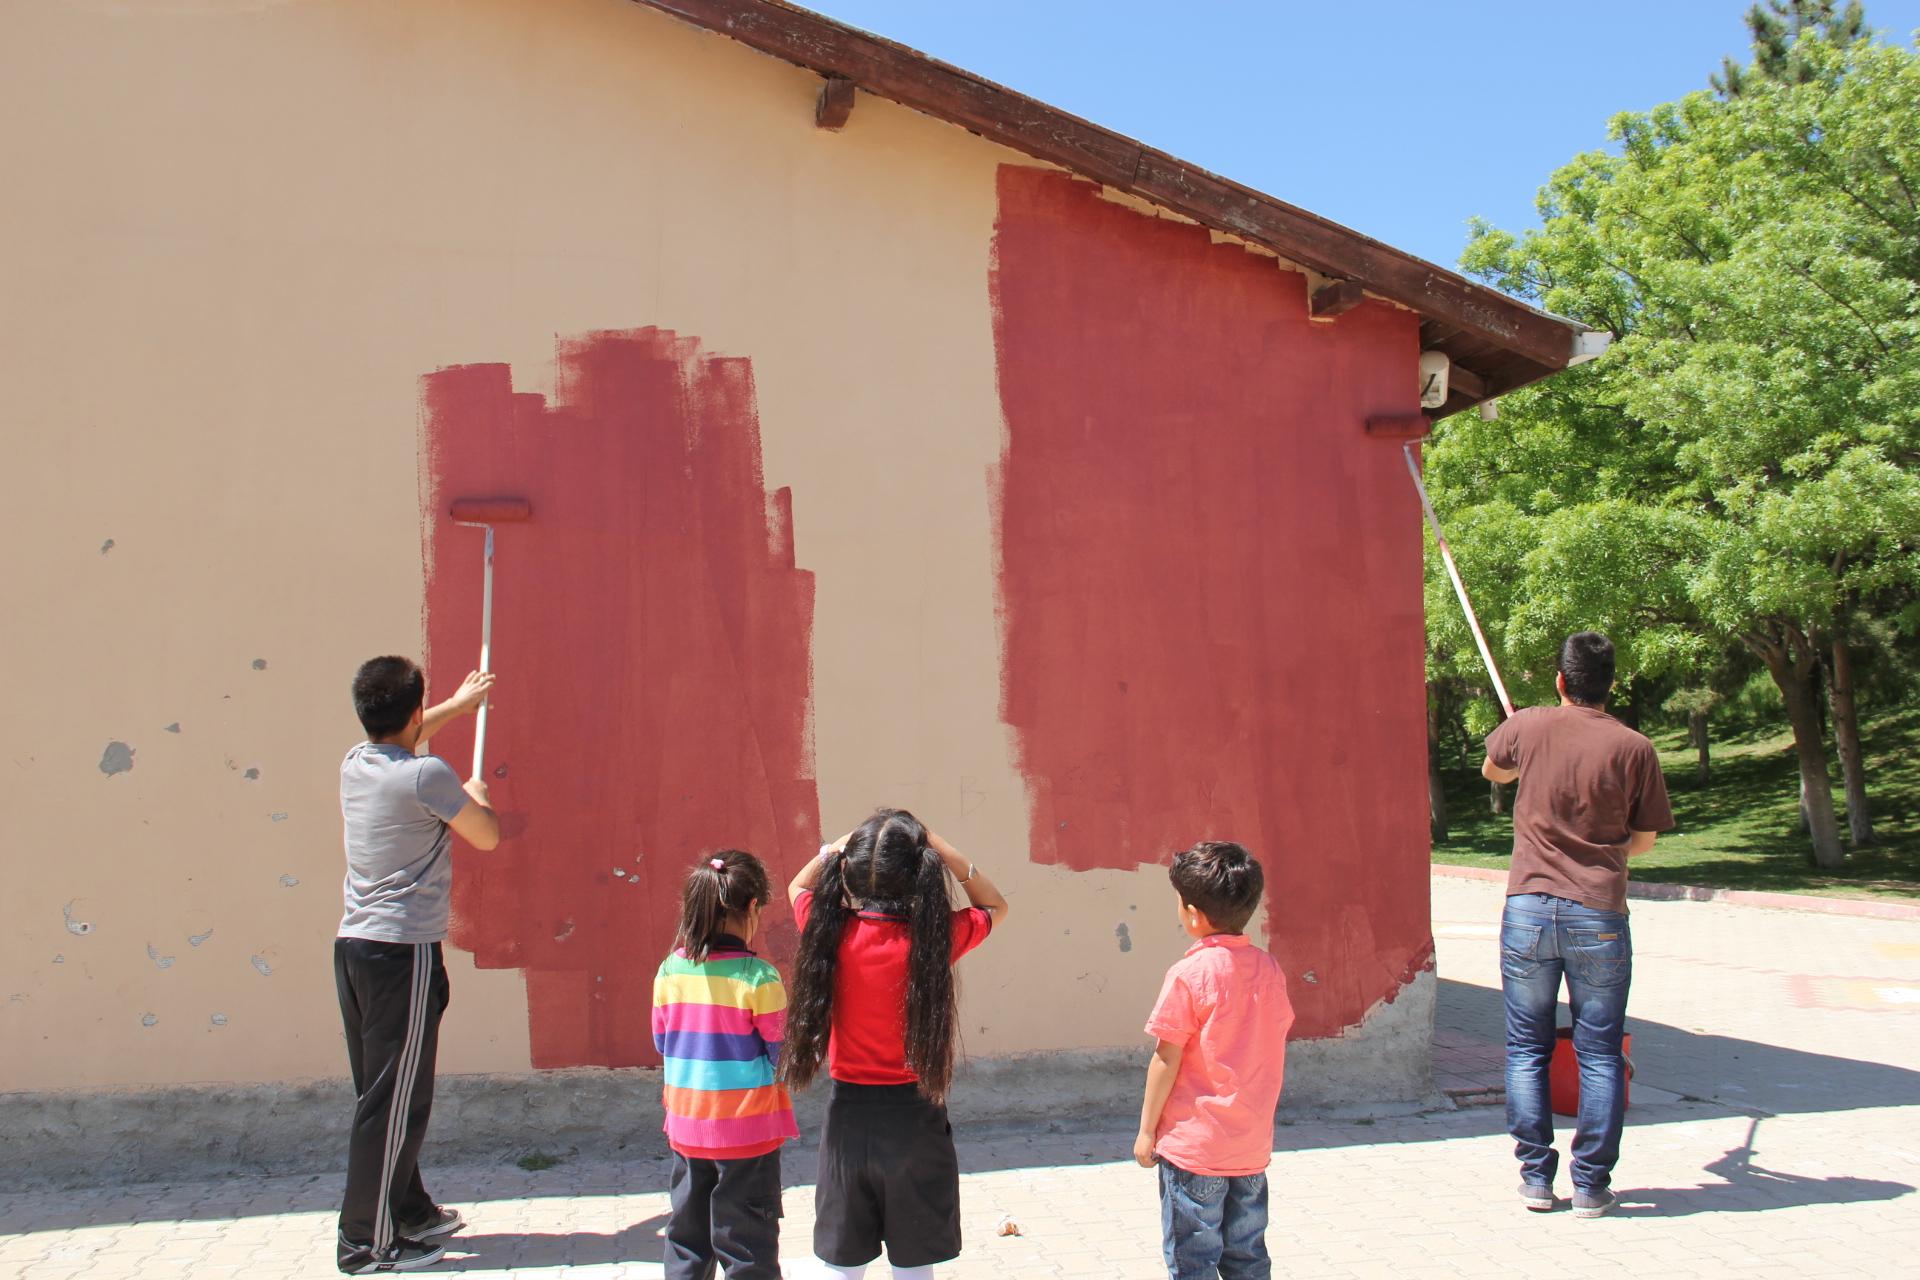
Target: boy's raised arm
471 693
1160 1076
477 823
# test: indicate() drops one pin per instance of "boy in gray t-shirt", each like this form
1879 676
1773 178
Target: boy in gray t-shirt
400 812
395 806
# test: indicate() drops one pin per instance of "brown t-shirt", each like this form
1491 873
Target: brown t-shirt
1586 780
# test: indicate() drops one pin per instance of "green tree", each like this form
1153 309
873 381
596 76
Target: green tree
1776 28
1742 466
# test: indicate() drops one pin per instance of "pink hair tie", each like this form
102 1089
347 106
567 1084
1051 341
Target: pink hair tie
717 864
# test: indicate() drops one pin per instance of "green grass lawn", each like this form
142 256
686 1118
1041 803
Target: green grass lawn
1741 830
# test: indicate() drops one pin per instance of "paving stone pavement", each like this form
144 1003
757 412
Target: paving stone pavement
1775 1132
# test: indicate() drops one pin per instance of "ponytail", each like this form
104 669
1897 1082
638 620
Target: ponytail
933 1011
727 884
810 1003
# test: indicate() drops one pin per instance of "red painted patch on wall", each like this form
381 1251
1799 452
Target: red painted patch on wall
1210 577
654 645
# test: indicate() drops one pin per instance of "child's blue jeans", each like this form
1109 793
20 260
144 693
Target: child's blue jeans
1214 1228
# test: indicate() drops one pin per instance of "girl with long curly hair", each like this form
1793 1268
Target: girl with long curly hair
873 999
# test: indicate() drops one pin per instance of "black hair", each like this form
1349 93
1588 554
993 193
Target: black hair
386 693
889 867
1586 661
727 883
1222 879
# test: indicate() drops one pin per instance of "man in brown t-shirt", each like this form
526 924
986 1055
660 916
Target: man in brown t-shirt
1591 796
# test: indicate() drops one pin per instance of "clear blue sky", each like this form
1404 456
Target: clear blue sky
1399 119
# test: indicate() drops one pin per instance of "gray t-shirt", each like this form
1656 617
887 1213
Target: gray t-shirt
395 806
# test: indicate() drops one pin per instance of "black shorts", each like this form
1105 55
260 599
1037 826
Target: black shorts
888 1175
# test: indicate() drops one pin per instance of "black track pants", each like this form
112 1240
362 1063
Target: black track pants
726 1213
391 997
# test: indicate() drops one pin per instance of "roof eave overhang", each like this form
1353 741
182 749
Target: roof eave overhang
1498 343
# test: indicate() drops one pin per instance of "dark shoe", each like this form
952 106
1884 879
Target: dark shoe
438 1225
1536 1197
1592 1204
401 1255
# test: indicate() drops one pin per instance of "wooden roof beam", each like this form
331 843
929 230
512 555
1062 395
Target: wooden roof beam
1464 381
835 104
1336 299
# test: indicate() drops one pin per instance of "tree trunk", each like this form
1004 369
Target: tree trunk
1800 689
1436 792
1846 738
1496 799
1697 728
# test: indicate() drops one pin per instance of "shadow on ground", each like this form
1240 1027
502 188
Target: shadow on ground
1747 1187
501 1251
1719 1076
1742 1075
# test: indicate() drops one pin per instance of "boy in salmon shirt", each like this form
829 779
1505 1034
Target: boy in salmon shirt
1221 1021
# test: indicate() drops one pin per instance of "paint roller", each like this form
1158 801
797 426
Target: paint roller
1453 572
484 513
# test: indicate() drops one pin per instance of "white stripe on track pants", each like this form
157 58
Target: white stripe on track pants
392 995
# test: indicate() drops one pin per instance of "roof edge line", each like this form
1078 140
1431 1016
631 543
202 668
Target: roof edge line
1001 115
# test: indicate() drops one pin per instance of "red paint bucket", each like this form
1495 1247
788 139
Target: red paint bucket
1563 1074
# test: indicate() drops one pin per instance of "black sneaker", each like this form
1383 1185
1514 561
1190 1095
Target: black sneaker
401 1255
438 1225
1536 1197
1592 1204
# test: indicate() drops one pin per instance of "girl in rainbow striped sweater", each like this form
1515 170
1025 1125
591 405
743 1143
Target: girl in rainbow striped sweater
719 1014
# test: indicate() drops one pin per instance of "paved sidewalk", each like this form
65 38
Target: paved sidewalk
1775 1132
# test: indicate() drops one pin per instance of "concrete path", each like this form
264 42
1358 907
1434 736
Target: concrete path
1775 1132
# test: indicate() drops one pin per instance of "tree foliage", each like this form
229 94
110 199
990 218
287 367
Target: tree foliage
1776 28
1743 467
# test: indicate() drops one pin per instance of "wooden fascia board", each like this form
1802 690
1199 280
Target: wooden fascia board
1014 120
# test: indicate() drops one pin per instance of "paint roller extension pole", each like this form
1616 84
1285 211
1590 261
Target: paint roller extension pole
484 513
486 655
1453 572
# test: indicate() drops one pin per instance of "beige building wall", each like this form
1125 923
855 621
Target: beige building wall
236 235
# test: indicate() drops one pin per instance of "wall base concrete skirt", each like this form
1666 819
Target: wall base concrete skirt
112 1136
1387 1058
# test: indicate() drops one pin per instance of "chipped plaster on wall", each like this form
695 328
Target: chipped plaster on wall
1315 280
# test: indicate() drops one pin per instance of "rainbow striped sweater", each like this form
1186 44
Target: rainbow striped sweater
718 1025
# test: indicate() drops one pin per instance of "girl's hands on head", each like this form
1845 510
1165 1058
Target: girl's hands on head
955 862
810 873
980 891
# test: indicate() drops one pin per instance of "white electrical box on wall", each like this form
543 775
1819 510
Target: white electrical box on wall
1434 366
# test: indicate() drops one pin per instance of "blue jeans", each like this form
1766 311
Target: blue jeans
1213 1227
1542 938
